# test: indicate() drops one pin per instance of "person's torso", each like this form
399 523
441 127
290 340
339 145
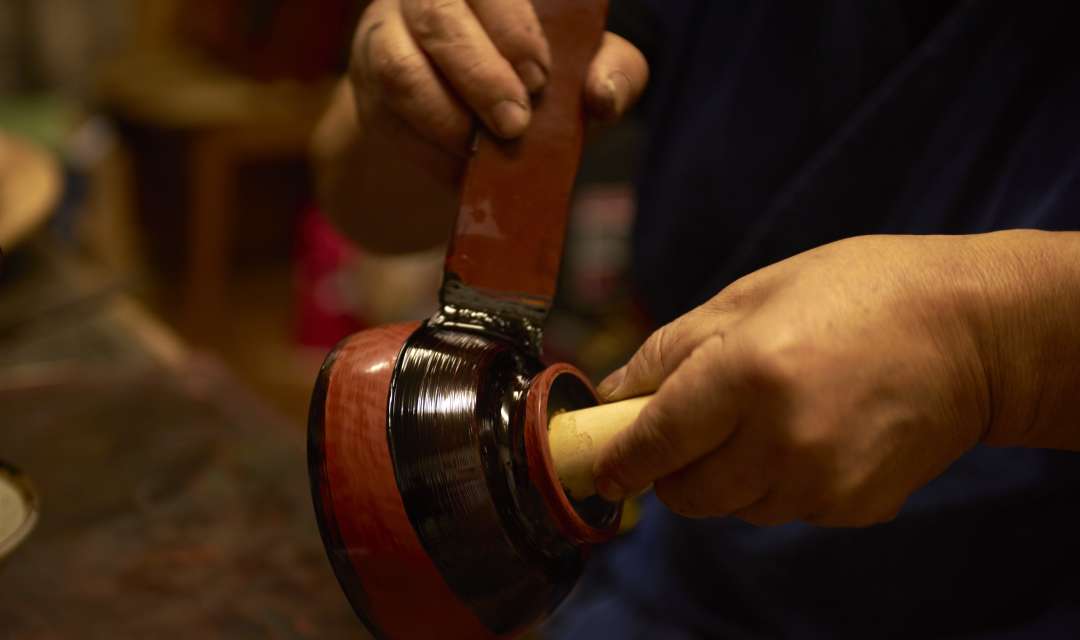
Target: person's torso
779 126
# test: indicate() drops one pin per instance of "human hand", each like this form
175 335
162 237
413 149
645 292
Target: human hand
391 149
825 388
436 64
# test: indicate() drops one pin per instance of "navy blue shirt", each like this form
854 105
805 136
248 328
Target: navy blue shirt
780 126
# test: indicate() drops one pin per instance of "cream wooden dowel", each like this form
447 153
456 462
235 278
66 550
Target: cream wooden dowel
576 437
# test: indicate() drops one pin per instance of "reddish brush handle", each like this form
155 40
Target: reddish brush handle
503 260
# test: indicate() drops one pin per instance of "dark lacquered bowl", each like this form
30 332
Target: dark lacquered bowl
433 486
431 476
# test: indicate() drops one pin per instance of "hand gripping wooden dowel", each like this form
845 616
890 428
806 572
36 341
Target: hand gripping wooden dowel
577 437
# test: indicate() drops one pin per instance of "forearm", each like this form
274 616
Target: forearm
378 189
1031 337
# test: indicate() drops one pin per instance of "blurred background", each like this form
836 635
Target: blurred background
168 290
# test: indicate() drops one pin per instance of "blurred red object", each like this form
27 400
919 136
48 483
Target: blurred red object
325 262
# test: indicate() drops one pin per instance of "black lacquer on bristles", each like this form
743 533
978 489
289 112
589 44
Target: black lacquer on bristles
454 429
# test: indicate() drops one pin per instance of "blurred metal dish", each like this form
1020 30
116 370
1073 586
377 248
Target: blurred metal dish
18 509
29 187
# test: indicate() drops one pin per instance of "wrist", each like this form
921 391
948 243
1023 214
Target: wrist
1026 333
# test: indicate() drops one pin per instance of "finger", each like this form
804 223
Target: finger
863 513
515 31
615 79
860 501
770 510
662 353
692 414
727 480
753 476
450 34
389 71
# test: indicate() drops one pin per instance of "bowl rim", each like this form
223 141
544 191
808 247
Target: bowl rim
542 467
10 474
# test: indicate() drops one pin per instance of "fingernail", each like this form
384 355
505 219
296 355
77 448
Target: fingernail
619 88
611 383
510 118
610 490
532 75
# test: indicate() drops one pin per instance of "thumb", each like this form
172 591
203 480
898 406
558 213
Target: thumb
660 355
615 79
692 414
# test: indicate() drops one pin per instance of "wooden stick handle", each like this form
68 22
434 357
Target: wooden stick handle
577 437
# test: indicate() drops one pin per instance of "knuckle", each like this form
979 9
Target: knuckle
487 74
677 338
775 364
685 494
737 294
808 447
633 458
431 19
617 464
397 75
687 498
747 482
743 489
657 344
649 359
365 40
675 497
370 15
772 508
712 346
519 39
654 436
